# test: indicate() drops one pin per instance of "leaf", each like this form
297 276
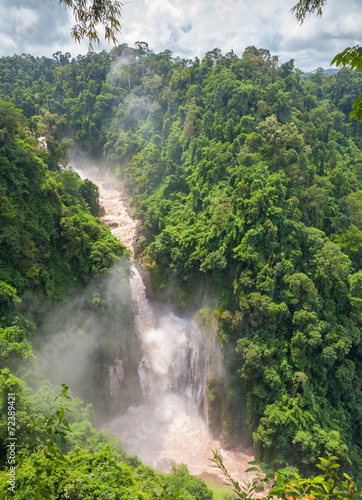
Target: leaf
318 480
324 460
287 472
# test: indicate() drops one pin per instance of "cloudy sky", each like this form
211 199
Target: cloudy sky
192 27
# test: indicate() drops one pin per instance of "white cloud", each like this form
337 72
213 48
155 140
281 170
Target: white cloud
27 26
192 27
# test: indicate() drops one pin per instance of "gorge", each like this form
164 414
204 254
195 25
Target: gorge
246 178
169 424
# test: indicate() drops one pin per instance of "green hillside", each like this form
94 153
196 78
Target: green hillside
246 175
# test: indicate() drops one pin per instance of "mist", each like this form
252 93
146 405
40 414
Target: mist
85 342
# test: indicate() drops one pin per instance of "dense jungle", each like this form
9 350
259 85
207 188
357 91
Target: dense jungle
246 175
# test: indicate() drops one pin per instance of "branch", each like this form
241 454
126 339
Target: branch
89 15
304 7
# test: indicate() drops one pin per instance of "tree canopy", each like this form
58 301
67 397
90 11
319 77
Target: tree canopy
246 174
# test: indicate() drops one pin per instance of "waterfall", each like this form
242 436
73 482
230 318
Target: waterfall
172 374
173 360
169 424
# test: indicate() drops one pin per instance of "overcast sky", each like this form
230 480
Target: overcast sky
192 27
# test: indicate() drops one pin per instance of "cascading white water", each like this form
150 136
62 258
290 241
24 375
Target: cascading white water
168 426
171 362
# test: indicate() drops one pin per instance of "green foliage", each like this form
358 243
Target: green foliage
188 486
14 345
109 474
51 244
52 459
351 57
47 233
286 483
246 175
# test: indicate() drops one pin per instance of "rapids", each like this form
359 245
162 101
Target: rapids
169 426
